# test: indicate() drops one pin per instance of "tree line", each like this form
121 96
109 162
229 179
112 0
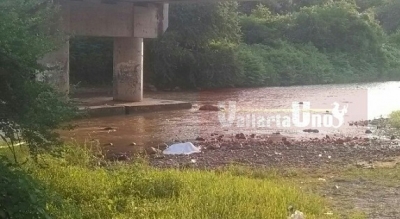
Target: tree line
265 43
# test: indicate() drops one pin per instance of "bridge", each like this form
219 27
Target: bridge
128 22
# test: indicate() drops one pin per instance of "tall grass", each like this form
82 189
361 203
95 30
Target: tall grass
137 190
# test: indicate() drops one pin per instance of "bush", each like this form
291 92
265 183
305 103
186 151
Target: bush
198 48
20 195
394 119
284 64
338 27
30 111
388 15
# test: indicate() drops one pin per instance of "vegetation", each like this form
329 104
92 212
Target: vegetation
29 109
212 45
269 43
394 119
76 186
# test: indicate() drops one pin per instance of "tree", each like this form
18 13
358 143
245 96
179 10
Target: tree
197 50
29 110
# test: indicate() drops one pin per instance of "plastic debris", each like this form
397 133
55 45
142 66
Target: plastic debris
182 148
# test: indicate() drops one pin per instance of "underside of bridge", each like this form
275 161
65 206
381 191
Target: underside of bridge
127 22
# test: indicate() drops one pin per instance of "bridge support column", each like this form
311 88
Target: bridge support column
128 69
57 69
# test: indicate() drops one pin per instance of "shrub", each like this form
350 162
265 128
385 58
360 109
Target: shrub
284 64
20 195
394 119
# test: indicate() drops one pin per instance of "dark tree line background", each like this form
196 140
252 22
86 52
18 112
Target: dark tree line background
266 43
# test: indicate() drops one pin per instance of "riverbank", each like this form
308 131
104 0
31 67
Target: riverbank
87 186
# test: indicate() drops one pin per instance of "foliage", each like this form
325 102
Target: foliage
198 48
263 28
136 190
394 119
331 28
29 110
285 64
20 195
389 16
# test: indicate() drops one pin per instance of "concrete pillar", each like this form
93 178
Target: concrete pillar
57 62
128 69
57 69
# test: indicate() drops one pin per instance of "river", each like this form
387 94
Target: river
253 107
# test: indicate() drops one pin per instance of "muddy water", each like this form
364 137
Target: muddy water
249 112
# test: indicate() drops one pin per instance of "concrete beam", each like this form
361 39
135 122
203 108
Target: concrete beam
121 19
103 20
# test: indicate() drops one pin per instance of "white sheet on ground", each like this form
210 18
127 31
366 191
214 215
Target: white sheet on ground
182 148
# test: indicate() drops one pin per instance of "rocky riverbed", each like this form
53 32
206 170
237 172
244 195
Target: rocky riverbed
277 150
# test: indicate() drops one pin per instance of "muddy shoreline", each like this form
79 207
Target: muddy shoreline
277 150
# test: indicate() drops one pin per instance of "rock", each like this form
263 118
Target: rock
297 215
109 144
122 157
339 141
159 157
311 130
200 139
214 147
109 129
253 135
276 133
241 136
287 143
368 131
392 137
284 139
132 144
209 108
153 150
162 146
270 141
348 139
300 102
119 157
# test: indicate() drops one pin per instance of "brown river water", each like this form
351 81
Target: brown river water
249 113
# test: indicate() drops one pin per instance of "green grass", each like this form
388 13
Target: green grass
137 190
84 186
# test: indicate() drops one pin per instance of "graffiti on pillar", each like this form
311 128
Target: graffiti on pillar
129 76
56 74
